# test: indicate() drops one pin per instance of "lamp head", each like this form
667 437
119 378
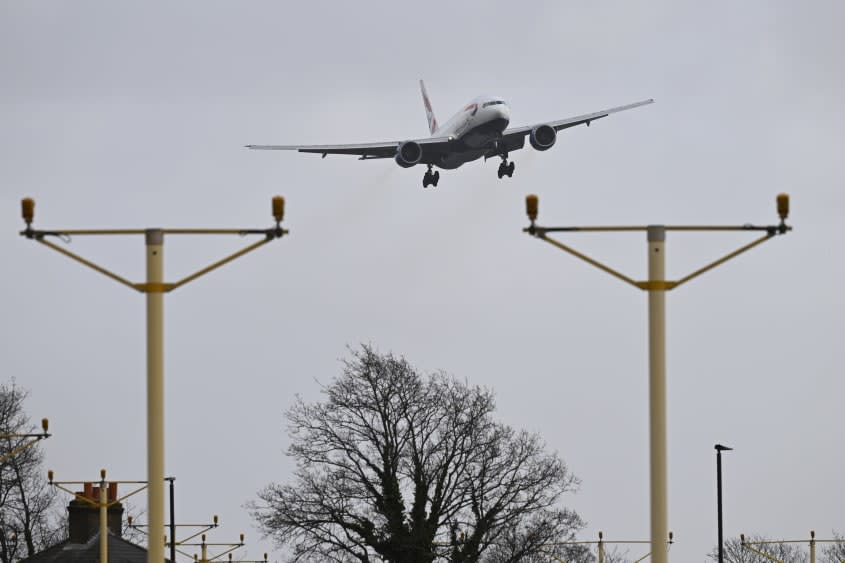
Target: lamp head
50 476
783 212
278 208
45 425
783 206
721 448
532 203
28 210
103 474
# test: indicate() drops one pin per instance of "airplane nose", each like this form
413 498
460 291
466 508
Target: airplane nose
502 112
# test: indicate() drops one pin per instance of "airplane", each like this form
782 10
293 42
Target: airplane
478 130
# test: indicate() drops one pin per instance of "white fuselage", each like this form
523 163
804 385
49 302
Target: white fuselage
476 129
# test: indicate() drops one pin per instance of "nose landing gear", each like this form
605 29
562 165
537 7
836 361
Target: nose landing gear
506 169
431 178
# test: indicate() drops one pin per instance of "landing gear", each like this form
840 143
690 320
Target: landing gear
506 169
431 178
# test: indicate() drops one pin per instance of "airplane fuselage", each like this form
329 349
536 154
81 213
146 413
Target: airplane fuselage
476 129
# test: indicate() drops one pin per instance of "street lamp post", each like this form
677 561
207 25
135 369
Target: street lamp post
205 557
102 502
154 288
656 285
601 546
171 480
719 449
28 440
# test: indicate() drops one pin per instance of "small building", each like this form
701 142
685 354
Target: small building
83 542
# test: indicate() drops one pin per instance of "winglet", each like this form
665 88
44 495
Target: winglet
429 113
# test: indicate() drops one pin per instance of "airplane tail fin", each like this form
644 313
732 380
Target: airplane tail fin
429 113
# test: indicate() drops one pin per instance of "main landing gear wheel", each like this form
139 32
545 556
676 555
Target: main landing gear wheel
506 169
431 178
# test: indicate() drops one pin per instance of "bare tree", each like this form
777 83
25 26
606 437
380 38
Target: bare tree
835 552
786 552
617 555
736 553
134 533
399 467
541 538
28 519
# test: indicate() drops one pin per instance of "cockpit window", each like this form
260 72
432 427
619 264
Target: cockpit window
493 103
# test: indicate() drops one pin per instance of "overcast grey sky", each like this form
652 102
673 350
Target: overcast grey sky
134 115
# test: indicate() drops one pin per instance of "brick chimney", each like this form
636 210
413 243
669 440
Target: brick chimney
84 517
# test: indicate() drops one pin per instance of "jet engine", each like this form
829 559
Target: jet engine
408 154
542 137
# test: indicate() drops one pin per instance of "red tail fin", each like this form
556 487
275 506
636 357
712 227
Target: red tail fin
429 113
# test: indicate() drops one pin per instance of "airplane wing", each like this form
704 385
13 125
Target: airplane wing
515 136
365 151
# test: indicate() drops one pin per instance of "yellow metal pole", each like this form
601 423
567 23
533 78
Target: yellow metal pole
155 393
657 285
757 551
812 546
601 548
590 261
104 515
155 289
85 262
219 263
33 439
656 235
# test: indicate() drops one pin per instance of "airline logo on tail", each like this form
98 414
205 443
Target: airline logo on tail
429 113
